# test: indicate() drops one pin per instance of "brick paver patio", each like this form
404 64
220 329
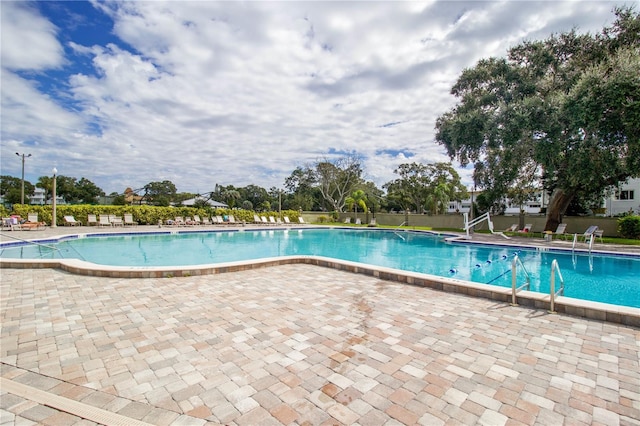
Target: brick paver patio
299 344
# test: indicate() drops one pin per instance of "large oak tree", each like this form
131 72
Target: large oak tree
564 112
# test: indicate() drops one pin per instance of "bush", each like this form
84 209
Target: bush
144 215
629 227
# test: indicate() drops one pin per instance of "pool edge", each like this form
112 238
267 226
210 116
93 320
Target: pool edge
564 305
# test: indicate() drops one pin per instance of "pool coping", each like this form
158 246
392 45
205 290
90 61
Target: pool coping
577 307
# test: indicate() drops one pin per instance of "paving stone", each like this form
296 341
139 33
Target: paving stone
231 348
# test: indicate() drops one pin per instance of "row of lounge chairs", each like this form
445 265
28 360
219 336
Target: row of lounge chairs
196 220
262 220
560 232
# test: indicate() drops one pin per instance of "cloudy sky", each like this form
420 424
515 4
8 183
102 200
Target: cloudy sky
237 93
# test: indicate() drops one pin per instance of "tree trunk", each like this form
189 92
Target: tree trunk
558 204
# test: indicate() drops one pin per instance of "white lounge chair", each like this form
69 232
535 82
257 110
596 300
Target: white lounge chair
286 220
561 230
71 221
116 220
272 220
347 220
92 220
358 221
301 220
589 232
104 220
128 220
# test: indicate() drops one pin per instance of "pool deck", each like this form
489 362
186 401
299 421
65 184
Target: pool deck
299 344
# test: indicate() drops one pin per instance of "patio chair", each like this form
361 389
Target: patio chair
512 228
92 220
286 220
527 228
32 223
128 220
561 230
104 220
358 221
301 220
589 232
272 220
116 220
347 220
71 221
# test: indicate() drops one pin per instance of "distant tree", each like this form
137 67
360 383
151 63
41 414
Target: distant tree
87 192
160 193
200 203
420 183
256 195
374 196
66 187
117 199
11 189
247 205
230 196
564 111
303 194
337 178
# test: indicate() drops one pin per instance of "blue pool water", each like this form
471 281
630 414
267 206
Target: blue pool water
608 279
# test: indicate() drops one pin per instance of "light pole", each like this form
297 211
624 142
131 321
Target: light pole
53 200
22 190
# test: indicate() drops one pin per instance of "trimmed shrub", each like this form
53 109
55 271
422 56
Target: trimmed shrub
629 227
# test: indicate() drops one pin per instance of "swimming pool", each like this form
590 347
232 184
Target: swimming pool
608 279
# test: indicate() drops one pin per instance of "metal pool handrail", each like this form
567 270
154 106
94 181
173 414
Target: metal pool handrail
514 266
31 242
552 293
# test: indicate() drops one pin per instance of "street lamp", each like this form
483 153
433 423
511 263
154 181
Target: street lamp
22 191
53 200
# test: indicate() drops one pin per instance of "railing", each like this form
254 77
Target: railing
514 270
30 242
552 291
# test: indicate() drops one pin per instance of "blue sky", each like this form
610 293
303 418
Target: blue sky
204 93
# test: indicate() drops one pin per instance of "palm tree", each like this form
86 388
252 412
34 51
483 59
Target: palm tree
357 198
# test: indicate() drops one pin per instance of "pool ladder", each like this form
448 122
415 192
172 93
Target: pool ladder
514 272
552 293
555 269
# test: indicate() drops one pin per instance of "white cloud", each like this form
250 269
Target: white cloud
244 92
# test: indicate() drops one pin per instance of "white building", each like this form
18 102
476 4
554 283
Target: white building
626 198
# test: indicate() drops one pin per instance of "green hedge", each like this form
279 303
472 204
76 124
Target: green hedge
144 215
629 227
